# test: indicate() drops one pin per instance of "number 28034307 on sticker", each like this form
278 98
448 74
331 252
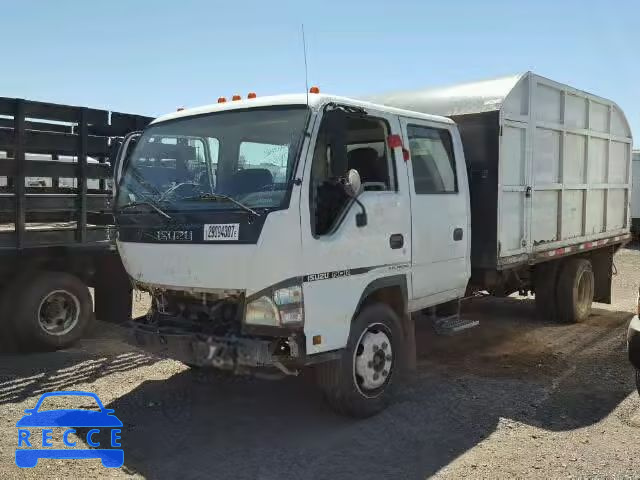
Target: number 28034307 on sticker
221 231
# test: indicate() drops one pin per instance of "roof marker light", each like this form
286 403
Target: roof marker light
179 109
221 99
314 90
236 97
251 95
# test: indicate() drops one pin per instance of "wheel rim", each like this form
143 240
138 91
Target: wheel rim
373 360
58 312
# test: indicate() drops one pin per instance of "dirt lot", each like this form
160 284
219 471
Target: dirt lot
515 397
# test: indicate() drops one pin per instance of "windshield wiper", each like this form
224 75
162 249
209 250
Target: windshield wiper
219 196
147 203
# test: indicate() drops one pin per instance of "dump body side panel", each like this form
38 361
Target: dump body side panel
577 149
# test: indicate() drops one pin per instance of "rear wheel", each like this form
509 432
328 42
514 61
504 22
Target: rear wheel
51 311
575 290
361 382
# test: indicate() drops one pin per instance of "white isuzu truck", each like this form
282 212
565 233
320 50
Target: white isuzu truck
303 231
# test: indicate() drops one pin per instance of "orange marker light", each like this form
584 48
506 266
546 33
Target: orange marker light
252 95
179 109
314 90
317 339
221 99
235 98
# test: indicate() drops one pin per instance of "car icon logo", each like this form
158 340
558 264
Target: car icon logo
31 448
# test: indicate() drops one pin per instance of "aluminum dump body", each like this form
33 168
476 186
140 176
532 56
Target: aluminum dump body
549 165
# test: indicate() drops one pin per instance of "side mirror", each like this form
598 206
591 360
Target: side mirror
352 183
353 187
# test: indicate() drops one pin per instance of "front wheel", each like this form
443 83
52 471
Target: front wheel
361 382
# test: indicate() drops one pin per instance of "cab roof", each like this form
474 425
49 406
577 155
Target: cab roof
316 102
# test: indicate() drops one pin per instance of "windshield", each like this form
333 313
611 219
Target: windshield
192 163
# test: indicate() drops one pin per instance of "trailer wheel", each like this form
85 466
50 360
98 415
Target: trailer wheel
575 290
361 382
52 310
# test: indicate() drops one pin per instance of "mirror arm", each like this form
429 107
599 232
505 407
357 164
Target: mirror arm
361 218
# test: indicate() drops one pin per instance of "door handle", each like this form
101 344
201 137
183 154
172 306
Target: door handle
396 241
457 234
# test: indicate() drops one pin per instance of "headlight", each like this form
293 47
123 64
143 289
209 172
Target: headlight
288 296
262 312
281 307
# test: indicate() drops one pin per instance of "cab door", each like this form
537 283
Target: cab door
440 218
341 260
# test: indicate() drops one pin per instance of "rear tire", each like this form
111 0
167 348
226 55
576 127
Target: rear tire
52 310
360 384
575 290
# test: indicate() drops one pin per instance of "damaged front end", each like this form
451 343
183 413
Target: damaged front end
207 330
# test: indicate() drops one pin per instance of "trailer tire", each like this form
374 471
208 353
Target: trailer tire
53 310
575 290
361 383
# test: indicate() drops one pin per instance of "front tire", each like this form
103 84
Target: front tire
360 384
51 311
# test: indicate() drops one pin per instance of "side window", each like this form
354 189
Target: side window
432 160
366 151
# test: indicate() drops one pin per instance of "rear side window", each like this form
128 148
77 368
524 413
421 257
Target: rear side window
432 160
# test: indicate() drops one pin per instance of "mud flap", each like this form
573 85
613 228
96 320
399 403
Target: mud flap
410 357
602 264
113 291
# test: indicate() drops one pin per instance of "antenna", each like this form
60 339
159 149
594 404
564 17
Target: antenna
306 70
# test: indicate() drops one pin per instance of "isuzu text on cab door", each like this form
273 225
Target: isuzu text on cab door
280 233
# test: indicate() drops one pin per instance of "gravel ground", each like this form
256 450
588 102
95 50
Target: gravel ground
515 397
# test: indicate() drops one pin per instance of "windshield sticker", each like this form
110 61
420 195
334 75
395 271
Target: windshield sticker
221 231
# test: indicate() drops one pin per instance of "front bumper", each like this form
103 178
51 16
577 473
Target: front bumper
633 342
239 354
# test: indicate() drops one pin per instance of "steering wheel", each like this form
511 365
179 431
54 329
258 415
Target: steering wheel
190 189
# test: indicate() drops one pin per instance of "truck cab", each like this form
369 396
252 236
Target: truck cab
280 233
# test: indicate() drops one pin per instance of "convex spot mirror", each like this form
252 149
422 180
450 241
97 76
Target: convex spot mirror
352 183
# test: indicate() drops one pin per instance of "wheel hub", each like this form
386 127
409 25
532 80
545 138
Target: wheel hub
59 312
373 360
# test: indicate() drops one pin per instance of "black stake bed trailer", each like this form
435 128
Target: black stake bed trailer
56 222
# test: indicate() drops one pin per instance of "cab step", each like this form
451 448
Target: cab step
446 318
453 324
